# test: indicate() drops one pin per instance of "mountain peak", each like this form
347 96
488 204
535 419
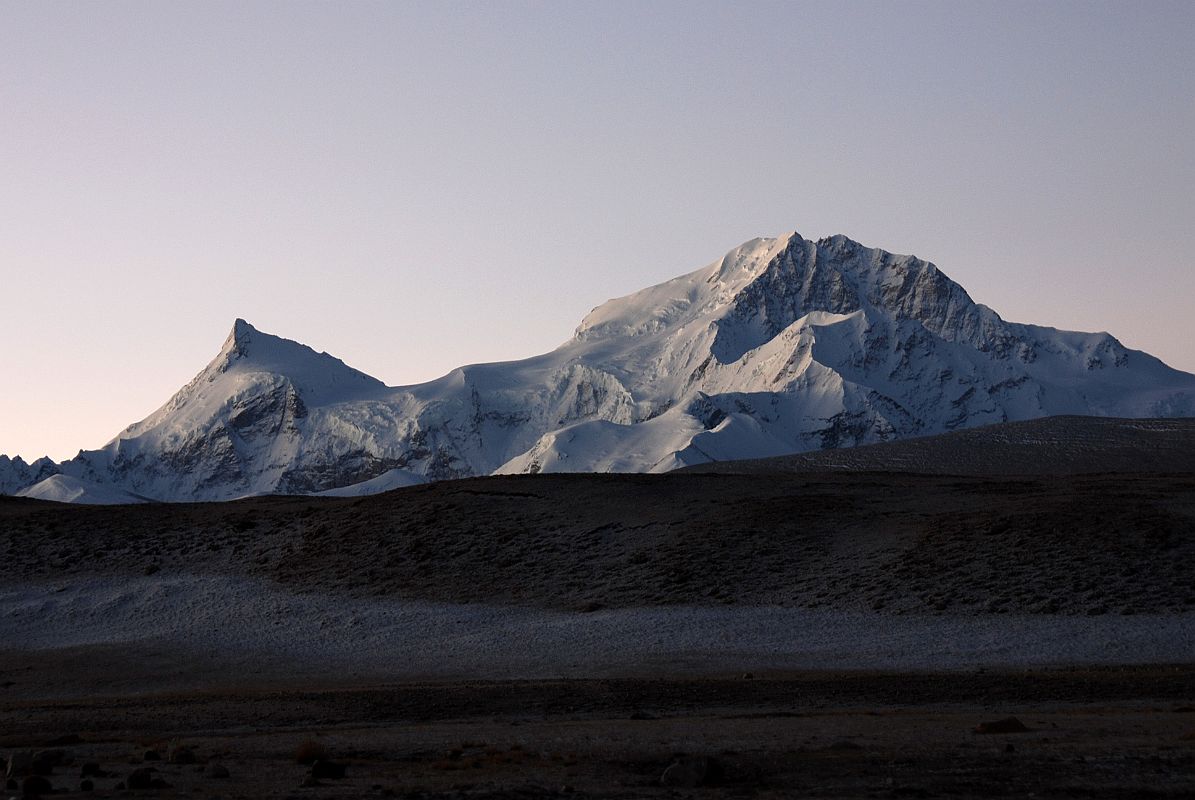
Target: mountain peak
781 346
241 328
248 349
264 351
237 343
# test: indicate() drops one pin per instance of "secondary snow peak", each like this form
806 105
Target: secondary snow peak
249 350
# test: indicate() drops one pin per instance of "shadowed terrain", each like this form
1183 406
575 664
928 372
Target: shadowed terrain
1077 733
1048 446
1120 544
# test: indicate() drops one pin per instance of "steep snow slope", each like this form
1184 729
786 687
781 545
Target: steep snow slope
783 346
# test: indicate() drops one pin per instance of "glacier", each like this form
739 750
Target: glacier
783 346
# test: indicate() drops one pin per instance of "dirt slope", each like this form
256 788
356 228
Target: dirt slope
1071 545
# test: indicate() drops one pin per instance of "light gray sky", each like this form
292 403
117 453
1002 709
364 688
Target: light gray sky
415 186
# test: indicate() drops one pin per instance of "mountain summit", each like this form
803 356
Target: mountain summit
319 376
782 346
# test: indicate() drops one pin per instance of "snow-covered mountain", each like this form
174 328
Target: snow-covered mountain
15 474
784 345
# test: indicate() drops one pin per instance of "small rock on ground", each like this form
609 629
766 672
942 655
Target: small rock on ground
1006 725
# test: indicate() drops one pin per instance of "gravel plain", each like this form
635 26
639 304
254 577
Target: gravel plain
231 622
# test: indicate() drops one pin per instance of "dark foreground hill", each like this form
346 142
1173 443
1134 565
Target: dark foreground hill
1077 545
918 656
1065 445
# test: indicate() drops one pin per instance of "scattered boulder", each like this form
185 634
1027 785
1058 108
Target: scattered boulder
36 786
327 769
181 755
141 778
689 773
44 761
310 751
1006 725
218 771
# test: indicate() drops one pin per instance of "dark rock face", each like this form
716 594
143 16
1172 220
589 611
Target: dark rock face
839 276
799 280
707 411
213 454
343 471
849 430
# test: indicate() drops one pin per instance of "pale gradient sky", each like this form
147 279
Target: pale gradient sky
413 187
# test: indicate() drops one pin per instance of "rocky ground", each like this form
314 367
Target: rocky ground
1073 733
156 690
1102 544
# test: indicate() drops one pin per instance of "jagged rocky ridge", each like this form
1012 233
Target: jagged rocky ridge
783 346
15 473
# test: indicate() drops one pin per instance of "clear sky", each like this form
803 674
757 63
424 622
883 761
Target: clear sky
416 186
